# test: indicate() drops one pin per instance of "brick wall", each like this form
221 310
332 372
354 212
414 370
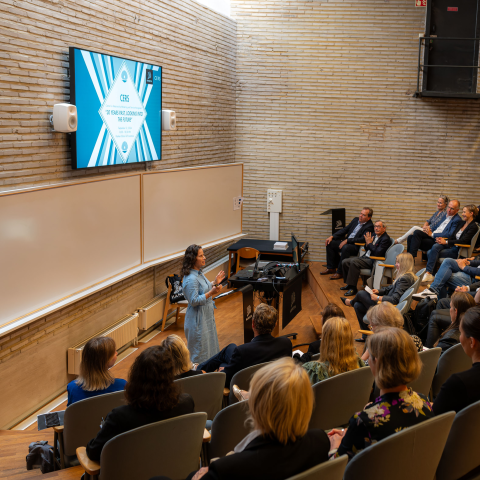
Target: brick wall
325 113
196 48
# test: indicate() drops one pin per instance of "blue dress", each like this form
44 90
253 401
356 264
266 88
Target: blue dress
200 328
76 393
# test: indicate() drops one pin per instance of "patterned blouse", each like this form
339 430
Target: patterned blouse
389 414
318 371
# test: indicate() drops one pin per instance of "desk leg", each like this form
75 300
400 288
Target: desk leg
229 264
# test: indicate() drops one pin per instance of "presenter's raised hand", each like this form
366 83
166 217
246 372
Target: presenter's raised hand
368 238
220 276
328 240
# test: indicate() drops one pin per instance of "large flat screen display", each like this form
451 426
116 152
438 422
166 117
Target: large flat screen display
119 107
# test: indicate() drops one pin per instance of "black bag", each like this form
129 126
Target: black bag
40 456
421 316
176 295
408 323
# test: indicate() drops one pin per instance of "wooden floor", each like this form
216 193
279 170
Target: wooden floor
317 292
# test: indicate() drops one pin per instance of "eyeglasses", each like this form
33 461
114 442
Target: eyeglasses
378 226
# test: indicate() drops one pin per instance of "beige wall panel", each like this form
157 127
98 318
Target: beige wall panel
325 113
60 240
189 206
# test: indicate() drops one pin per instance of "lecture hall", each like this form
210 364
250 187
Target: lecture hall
239 239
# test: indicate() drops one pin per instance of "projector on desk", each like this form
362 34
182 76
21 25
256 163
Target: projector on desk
280 246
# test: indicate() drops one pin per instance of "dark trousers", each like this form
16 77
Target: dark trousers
440 251
419 241
439 321
351 269
361 303
335 256
221 359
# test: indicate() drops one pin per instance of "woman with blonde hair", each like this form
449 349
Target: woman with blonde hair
395 363
404 279
337 352
98 356
183 366
280 445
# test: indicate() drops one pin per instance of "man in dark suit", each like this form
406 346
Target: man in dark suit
263 348
374 247
341 244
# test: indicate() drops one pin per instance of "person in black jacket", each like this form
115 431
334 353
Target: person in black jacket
341 244
263 348
281 445
151 396
460 303
462 235
374 247
463 389
405 278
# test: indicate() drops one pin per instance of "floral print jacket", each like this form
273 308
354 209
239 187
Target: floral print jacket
389 413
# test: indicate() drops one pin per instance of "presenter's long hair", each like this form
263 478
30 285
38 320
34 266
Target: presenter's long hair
189 259
405 263
337 347
151 380
96 355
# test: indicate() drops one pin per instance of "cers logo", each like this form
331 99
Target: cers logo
149 76
124 98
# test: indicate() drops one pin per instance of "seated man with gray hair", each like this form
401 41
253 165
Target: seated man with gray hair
374 247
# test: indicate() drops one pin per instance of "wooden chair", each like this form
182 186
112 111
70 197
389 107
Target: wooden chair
173 306
246 252
169 448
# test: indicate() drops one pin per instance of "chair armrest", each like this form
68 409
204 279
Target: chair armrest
90 467
385 265
366 332
226 392
377 258
478 278
460 245
361 244
58 429
206 436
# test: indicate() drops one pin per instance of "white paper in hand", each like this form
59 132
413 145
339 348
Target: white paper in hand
368 289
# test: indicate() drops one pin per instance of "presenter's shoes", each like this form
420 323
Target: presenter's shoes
328 271
336 276
360 340
351 293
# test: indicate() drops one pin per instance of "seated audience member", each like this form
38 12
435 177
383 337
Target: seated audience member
263 348
463 389
183 366
385 315
337 352
330 311
460 303
374 247
425 240
463 235
405 278
433 222
395 363
98 356
151 396
280 445
341 244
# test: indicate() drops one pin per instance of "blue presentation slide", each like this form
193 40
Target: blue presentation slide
119 107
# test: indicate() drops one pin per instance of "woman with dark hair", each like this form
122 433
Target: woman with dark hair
200 328
460 303
98 356
151 396
462 389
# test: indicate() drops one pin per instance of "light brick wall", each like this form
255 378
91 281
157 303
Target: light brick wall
325 113
196 48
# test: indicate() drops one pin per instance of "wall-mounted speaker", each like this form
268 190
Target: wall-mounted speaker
169 120
64 118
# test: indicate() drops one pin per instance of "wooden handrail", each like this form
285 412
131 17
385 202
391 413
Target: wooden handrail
377 258
385 265
478 278
366 332
460 245
90 467
362 244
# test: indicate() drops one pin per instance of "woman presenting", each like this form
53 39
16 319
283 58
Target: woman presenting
200 328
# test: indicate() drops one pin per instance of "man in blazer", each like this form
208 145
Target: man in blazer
341 244
263 348
374 247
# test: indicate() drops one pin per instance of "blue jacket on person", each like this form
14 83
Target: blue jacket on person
77 393
450 229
